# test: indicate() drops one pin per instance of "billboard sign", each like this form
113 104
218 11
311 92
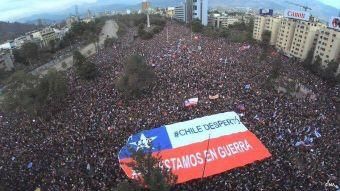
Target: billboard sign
266 12
334 23
197 148
301 15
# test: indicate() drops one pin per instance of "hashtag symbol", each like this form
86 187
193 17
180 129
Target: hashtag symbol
176 134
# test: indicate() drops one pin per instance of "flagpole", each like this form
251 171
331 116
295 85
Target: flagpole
205 157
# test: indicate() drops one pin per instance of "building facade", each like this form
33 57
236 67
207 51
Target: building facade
269 23
7 45
328 45
297 37
223 21
304 40
199 10
180 13
170 12
285 35
48 35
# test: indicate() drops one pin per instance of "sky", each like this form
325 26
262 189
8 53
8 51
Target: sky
11 10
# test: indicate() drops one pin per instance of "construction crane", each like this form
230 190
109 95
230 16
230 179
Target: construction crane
302 6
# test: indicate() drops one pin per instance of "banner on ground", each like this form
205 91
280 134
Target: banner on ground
198 148
244 47
191 102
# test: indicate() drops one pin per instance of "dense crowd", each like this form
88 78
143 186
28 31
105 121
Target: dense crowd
76 148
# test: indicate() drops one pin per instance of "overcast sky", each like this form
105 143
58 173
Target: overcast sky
15 9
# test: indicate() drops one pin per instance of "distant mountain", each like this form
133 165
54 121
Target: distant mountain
12 30
319 9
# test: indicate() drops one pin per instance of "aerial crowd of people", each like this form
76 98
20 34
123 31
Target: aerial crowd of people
77 147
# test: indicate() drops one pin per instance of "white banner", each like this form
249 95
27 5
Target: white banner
301 15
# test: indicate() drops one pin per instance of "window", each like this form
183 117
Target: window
195 7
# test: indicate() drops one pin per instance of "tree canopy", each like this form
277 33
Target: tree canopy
86 70
30 94
151 175
137 78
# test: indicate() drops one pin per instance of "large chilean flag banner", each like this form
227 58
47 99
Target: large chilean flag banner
198 148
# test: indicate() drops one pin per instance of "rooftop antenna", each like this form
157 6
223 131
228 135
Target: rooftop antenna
302 6
76 10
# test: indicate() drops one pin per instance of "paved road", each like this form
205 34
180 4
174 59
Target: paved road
109 30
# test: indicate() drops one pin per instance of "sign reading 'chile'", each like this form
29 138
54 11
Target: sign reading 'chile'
301 15
197 148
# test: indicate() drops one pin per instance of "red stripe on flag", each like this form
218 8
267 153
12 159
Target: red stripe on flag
224 153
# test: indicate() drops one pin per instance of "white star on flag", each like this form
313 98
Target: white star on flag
143 142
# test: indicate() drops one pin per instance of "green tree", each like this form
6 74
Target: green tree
19 56
308 61
30 94
330 70
316 66
52 45
109 42
20 93
137 78
87 70
196 26
152 176
266 35
78 58
52 87
30 51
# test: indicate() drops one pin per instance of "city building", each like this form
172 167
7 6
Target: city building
47 35
216 20
298 33
18 42
6 60
70 20
180 13
263 23
328 45
285 35
305 38
7 45
197 9
60 33
273 25
170 12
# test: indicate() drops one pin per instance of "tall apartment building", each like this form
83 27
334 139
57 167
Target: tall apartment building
259 27
47 35
200 11
273 25
328 45
262 23
180 13
192 9
285 35
170 12
305 37
197 9
223 21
